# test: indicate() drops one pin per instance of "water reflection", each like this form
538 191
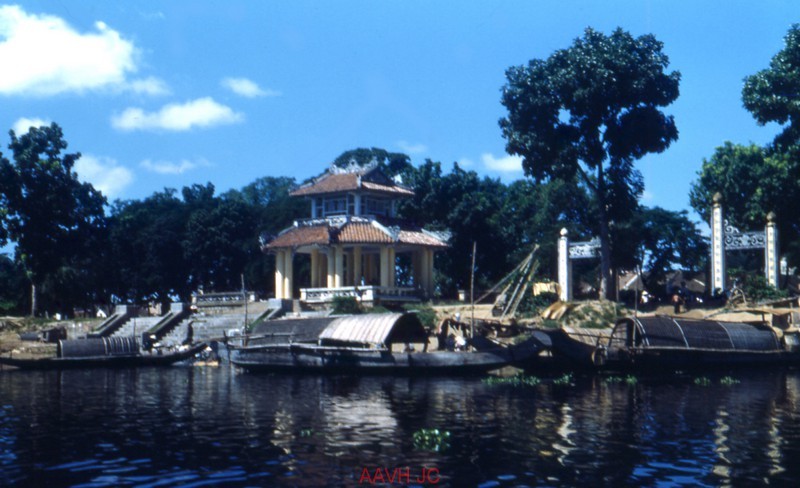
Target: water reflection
194 426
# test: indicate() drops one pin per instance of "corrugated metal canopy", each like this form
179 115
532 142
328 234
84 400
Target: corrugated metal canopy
704 334
374 329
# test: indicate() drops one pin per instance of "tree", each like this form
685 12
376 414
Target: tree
666 240
753 182
391 163
50 215
771 95
590 111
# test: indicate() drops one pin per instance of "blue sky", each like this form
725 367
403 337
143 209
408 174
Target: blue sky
165 94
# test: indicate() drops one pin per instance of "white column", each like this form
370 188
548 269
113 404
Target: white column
331 258
564 267
338 275
315 268
384 266
771 251
288 274
279 274
717 245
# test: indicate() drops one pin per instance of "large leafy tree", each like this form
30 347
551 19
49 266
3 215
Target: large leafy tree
53 218
588 112
753 181
772 94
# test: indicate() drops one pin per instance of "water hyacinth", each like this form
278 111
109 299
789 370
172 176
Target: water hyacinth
431 440
517 380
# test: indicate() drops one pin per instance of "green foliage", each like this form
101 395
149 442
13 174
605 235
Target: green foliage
425 313
346 306
702 381
392 164
629 380
587 112
55 220
728 381
771 94
753 182
563 380
755 286
431 440
516 381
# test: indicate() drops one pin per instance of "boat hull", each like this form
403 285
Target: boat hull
120 361
295 358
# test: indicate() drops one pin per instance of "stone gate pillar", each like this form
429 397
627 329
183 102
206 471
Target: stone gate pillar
564 267
717 246
771 251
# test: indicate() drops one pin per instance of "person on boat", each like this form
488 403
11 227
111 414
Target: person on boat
450 343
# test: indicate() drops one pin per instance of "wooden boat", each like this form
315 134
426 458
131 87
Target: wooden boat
107 352
371 343
668 343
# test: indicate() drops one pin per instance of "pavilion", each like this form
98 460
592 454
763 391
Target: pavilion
353 239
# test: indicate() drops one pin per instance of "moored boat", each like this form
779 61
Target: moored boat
668 343
371 343
106 352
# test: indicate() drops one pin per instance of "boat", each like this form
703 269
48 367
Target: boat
389 343
105 352
672 343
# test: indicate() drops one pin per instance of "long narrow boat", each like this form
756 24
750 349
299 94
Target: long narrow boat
368 344
102 353
664 343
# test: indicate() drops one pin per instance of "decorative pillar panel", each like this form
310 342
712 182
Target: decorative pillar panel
717 246
315 268
771 251
384 266
338 276
564 267
358 273
288 275
279 274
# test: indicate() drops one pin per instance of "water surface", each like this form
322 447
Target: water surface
201 426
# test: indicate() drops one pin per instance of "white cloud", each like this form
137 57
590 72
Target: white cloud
466 163
43 55
412 148
172 168
148 86
105 174
648 196
24 124
506 164
247 88
203 112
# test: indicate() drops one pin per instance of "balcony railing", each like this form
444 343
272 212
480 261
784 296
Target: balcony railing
360 293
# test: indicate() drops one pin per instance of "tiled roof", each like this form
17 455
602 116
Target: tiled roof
325 232
336 183
301 236
357 232
419 238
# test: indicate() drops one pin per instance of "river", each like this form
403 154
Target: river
208 426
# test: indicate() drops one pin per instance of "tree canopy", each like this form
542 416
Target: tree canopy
53 217
588 112
771 94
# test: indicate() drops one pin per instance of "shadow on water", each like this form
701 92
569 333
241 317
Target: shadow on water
186 426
